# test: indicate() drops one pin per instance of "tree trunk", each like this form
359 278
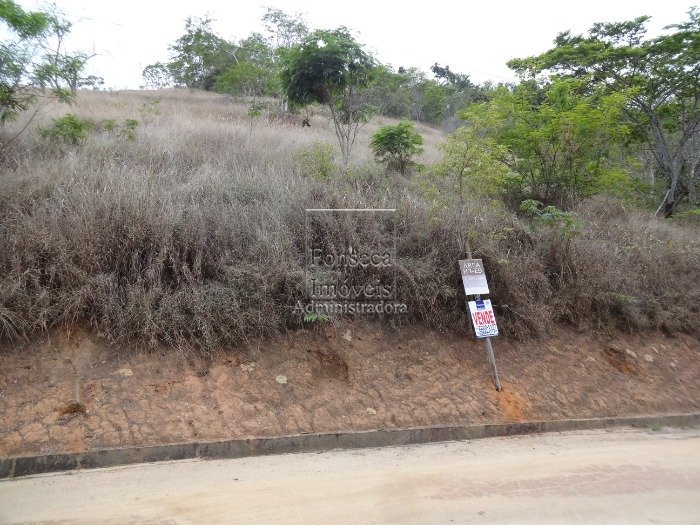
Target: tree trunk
344 143
666 160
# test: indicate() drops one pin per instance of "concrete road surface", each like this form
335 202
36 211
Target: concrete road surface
599 476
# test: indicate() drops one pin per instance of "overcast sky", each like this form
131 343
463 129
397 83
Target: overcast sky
476 38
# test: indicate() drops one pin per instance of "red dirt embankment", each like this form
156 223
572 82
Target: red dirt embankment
71 393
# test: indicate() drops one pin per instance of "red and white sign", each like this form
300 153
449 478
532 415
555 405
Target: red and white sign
483 318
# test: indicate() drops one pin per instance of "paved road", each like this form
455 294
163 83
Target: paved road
598 476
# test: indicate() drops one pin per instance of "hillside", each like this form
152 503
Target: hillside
187 240
190 233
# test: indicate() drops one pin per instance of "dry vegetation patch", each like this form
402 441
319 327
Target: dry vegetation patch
192 235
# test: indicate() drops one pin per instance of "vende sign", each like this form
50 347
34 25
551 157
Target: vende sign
483 318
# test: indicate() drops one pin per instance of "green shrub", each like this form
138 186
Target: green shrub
396 145
317 162
565 221
691 216
109 124
150 107
472 167
256 109
69 128
127 130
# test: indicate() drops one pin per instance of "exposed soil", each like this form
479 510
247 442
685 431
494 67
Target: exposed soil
71 392
510 405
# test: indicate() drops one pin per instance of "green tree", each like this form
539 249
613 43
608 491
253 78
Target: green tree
659 77
432 102
331 68
558 138
396 145
24 56
199 55
157 76
458 92
408 93
91 81
285 30
59 69
27 24
256 50
245 78
476 165
255 72
393 94
16 58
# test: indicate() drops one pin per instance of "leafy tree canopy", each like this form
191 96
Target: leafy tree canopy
330 67
285 30
396 145
324 66
25 23
660 78
33 61
200 55
556 138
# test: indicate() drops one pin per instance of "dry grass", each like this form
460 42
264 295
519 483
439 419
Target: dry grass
193 235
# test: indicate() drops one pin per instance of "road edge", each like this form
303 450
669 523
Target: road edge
20 466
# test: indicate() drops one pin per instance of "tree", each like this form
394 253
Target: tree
408 93
475 163
59 69
16 58
459 81
201 59
254 74
24 57
27 24
432 102
556 139
92 81
256 50
660 78
331 68
393 94
396 145
157 76
285 30
199 55
245 78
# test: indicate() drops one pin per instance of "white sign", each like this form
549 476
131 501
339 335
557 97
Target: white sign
473 277
483 318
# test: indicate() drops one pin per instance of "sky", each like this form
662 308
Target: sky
476 38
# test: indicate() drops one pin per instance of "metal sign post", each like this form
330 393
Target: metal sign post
483 320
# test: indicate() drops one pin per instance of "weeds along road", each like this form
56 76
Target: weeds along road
598 476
